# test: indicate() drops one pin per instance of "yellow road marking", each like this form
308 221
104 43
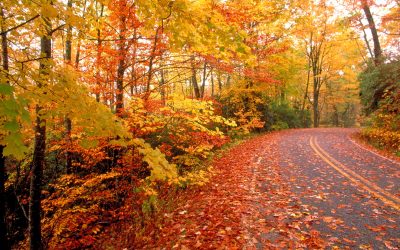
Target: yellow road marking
384 196
354 174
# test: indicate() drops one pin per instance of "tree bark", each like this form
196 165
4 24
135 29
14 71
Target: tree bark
196 88
119 105
3 224
67 121
374 32
315 109
162 88
212 83
303 105
98 55
35 238
203 85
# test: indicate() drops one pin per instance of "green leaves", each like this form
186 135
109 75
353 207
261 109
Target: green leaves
12 114
6 89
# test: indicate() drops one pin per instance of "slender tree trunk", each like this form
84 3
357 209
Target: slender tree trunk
228 81
303 105
119 106
366 41
219 83
79 40
35 238
316 79
151 62
120 87
212 83
162 88
315 109
3 224
134 89
374 32
98 55
67 121
203 85
196 88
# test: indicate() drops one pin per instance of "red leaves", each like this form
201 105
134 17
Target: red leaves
234 210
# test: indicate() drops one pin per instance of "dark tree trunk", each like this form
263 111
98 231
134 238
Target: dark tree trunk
98 56
119 105
203 85
67 121
374 32
315 109
36 183
212 83
151 63
303 105
196 88
162 88
219 80
35 238
3 224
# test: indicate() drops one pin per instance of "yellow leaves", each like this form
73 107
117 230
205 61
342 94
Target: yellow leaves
383 137
198 178
161 169
48 10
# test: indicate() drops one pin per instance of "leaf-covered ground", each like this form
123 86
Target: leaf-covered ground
247 204
275 192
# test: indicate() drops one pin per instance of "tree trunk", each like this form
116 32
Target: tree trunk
36 183
35 238
219 83
120 87
374 32
151 63
3 224
67 121
98 55
119 106
162 88
196 88
303 105
212 83
315 109
203 85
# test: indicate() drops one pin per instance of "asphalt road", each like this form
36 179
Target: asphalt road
354 192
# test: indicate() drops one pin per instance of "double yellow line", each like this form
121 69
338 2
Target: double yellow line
360 181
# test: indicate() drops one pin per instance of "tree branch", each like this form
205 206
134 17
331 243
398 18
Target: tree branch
19 25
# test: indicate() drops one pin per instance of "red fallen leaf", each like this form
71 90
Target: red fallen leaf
389 245
351 242
327 219
376 229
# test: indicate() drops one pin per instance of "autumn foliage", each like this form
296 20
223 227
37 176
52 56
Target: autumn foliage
111 109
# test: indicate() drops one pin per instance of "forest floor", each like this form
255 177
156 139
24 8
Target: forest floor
307 188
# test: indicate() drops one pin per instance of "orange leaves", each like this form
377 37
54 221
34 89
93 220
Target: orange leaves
384 138
74 213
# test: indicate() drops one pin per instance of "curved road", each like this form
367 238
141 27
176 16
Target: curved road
354 192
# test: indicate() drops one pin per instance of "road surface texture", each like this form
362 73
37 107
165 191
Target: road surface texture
340 195
294 189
